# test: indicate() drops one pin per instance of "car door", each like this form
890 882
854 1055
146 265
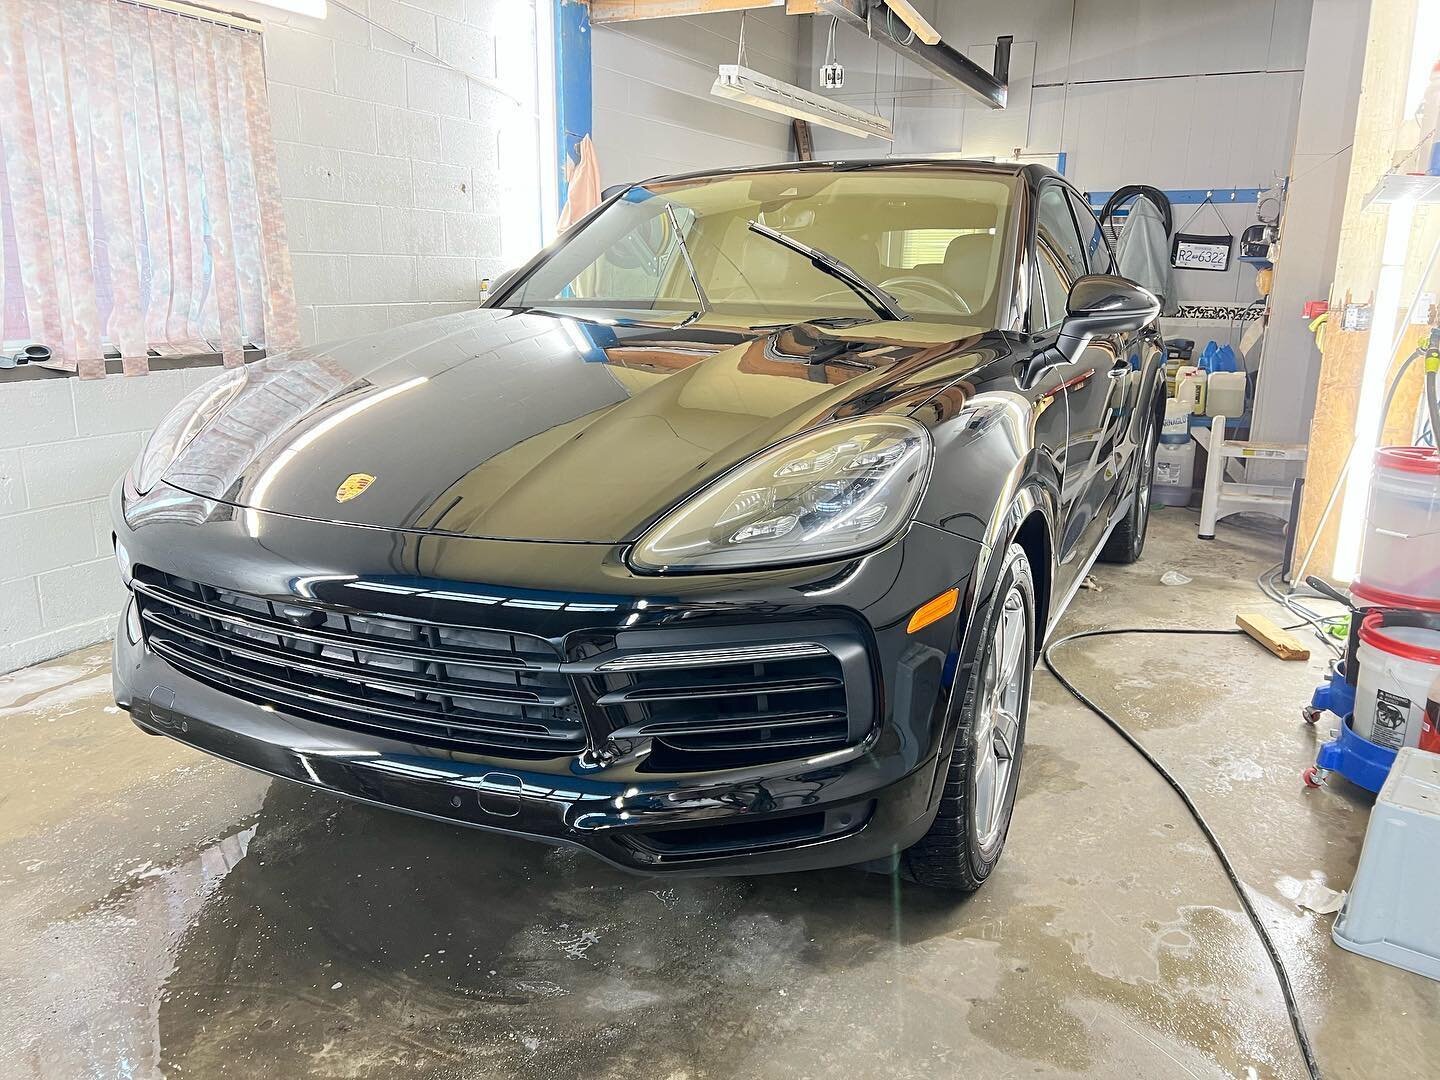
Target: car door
1088 383
1125 372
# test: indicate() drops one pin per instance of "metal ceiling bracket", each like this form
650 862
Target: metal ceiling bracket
954 67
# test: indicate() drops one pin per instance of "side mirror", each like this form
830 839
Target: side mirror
1103 304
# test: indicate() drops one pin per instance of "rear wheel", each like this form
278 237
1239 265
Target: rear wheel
1127 540
968 834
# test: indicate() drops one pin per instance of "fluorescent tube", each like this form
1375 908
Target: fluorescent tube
750 87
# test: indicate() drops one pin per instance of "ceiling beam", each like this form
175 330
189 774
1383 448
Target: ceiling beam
618 11
906 13
952 66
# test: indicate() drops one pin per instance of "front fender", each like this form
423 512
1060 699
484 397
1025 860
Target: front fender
992 476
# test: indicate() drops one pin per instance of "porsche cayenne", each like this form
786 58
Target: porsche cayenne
722 538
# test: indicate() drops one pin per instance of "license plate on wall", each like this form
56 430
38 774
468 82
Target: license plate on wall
1191 251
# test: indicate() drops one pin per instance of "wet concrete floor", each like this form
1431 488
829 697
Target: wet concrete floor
164 914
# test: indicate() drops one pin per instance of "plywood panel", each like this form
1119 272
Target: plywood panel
1342 364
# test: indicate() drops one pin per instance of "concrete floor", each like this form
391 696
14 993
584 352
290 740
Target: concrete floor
165 914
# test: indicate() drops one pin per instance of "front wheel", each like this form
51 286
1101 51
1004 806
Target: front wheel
1127 540
968 834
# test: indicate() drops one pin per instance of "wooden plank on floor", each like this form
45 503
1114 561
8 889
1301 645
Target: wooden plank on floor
1272 635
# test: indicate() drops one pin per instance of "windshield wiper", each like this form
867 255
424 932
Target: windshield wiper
876 298
689 265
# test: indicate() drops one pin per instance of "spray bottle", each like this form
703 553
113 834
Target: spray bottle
1430 124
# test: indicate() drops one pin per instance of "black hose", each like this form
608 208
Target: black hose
1286 990
1432 399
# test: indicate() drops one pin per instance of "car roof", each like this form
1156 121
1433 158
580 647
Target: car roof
1030 171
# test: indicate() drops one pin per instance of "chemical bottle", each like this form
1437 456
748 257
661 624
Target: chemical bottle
1430 724
1190 388
1176 426
1225 394
1174 473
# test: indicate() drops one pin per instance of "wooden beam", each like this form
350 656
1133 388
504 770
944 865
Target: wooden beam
906 13
802 7
619 11
1274 637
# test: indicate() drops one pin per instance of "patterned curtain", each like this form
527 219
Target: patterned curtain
139 199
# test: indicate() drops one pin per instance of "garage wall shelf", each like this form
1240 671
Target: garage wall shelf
1193 196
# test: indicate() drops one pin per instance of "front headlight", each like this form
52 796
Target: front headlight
844 489
183 423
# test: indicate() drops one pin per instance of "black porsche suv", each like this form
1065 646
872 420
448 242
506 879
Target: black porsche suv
722 539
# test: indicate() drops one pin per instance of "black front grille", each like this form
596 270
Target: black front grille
739 704
482 690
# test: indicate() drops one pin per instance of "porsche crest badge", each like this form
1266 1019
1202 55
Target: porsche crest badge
352 486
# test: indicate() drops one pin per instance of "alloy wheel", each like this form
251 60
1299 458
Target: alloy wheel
1147 483
996 740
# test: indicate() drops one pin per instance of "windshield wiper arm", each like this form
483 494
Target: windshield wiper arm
700 296
876 298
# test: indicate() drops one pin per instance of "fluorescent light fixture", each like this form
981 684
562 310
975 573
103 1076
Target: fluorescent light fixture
750 87
314 8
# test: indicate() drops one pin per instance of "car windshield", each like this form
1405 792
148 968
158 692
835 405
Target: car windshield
930 238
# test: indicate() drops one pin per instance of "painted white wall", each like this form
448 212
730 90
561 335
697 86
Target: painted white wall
1320 172
1163 92
404 183
63 443
653 113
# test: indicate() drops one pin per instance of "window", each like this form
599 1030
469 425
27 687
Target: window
920 247
1057 227
1047 306
937 233
1098 256
139 200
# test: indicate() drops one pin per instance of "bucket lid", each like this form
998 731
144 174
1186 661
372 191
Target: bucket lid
1410 642
1370 596
1412 459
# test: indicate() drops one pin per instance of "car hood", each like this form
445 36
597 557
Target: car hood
538 426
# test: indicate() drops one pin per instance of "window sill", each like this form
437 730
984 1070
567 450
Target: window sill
28 372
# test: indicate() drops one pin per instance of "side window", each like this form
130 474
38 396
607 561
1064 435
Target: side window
1097 249
1055 225
1047 306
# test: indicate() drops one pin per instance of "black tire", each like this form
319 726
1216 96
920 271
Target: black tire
954 854
1127 539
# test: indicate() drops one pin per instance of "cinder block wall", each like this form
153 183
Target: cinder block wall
63 443
393 169
393 166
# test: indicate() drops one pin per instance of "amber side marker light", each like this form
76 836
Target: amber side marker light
933 611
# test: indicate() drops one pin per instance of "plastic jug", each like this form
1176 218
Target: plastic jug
1174 473
1190 388
1176 426
1225 394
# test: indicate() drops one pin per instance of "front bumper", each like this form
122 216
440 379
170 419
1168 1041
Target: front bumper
849 805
